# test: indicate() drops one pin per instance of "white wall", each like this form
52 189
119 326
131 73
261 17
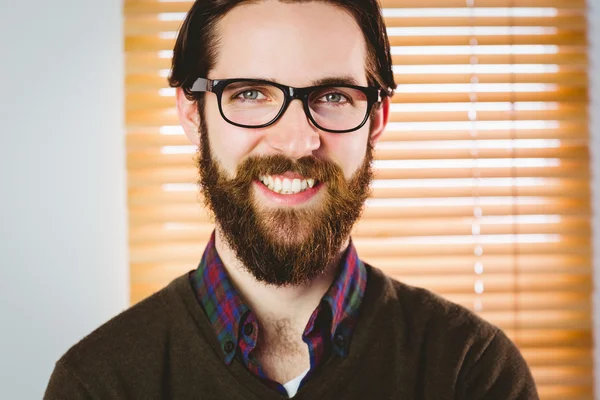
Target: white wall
63 242
594 39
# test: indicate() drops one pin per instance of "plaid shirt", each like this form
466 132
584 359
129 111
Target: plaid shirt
329 328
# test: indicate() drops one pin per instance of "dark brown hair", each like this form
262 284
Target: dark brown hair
195 49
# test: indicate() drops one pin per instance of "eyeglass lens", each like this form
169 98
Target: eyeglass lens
254 104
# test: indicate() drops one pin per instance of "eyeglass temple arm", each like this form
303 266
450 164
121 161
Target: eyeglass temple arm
202 85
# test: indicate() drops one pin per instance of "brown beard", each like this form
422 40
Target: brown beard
283 246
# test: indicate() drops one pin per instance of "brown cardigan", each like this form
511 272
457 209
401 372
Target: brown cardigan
409 344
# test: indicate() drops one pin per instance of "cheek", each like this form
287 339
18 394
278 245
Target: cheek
229 144
347 150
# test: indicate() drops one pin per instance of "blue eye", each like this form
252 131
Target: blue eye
334 97
250 94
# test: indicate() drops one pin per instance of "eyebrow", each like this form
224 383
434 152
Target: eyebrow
335 80
330 80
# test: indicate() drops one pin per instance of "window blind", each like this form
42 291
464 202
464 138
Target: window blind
482 176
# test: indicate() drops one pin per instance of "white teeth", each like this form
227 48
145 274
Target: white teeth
285 185
277 186
296 186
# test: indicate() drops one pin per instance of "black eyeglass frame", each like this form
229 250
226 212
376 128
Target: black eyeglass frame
374 96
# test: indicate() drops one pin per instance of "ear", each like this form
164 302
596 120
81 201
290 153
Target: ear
380 120
187 111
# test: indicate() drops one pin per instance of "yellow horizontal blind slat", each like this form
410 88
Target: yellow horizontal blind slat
401 151
137 7
568 225
429 177
142 138
566 4
145 88
567 113
570 40
568 21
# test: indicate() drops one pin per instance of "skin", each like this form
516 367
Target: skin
295 44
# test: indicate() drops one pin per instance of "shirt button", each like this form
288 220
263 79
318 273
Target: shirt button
339 340
248 329
229 346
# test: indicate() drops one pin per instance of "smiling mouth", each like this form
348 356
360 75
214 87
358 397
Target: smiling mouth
284 185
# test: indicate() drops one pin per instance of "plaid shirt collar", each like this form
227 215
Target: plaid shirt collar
227 311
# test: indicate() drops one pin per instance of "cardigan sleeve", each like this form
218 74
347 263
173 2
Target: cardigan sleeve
64 385
499 372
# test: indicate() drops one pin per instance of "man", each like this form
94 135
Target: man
285 101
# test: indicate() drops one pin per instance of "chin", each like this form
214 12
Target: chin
287 226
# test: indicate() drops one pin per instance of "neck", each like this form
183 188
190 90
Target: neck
269 302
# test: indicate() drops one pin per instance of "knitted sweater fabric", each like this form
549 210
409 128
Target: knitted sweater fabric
408 344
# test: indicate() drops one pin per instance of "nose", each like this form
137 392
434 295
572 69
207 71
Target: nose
293 135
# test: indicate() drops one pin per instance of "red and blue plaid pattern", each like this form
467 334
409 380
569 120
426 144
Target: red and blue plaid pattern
329 328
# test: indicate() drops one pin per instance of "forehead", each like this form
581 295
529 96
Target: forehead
292 43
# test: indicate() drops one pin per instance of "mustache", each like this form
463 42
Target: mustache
276 164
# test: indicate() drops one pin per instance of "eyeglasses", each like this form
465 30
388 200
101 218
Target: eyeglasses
254 103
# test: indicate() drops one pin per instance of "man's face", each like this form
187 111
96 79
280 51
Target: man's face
285 239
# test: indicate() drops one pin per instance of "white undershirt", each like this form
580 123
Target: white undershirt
292 386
